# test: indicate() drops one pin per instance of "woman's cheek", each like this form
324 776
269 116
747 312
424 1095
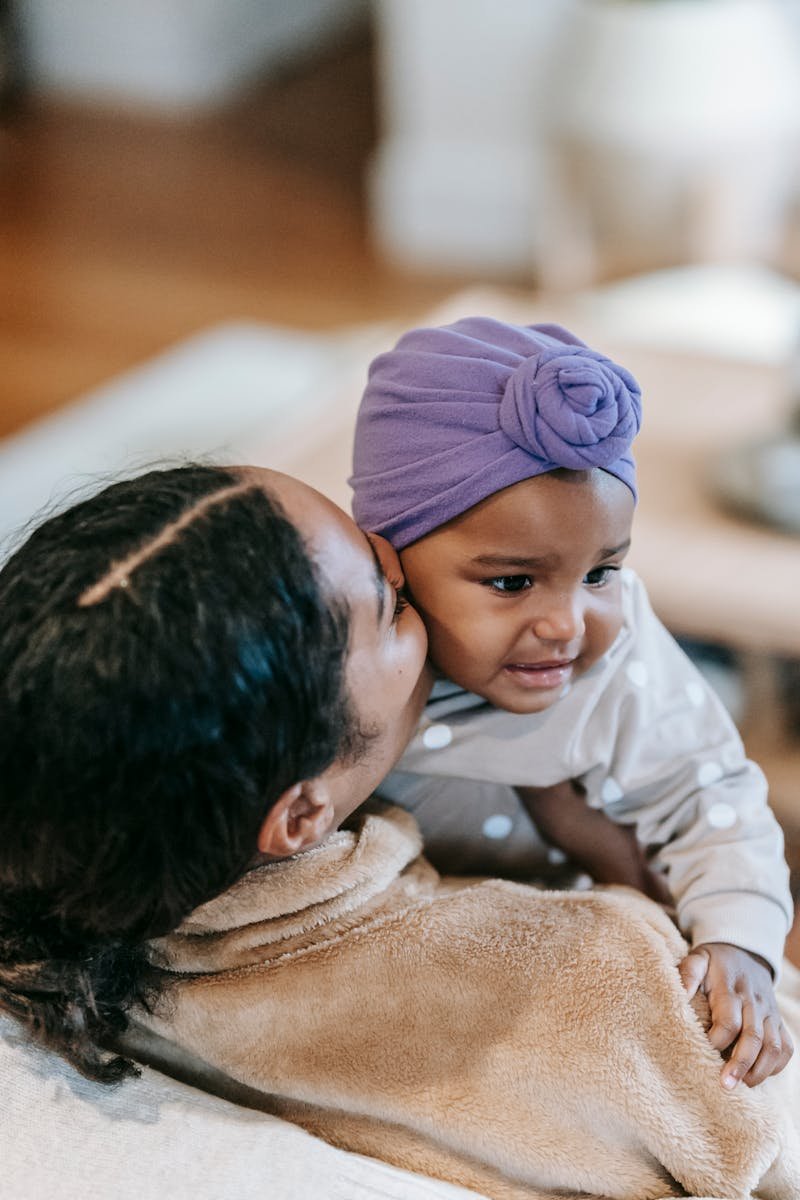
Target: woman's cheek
414 644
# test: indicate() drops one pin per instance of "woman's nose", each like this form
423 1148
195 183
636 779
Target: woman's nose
562 620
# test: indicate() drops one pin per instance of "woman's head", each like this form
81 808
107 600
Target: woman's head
385 684
178 656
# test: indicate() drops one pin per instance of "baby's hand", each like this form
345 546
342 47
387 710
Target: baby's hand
743 1010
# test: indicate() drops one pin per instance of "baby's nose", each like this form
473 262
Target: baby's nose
561 621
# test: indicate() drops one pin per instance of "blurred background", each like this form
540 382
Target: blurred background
166 164
213 213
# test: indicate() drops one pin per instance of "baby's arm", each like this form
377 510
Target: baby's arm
679 773
738 984
608 852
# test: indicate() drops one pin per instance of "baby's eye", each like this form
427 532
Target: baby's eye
599 576
509 583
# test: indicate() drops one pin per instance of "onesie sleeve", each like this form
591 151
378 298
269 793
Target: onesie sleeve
675 768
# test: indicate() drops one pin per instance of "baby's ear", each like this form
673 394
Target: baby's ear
300 818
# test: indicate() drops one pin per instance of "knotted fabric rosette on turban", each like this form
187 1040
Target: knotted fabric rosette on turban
454 414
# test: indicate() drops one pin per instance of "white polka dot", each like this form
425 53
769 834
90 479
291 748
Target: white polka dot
556 856
721 816
497 827
709 773
637 672
436 737
696 693
583 883
611 791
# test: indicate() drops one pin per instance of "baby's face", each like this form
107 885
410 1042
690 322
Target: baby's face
522 594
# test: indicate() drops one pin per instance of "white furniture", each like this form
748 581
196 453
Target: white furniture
675 130
547 139
457 177
219 394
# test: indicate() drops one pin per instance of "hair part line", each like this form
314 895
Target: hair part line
118 575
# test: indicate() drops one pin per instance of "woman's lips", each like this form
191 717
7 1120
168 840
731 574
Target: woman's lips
552 674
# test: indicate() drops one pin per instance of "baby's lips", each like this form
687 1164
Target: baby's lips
543 664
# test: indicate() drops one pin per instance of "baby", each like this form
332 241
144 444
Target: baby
497 460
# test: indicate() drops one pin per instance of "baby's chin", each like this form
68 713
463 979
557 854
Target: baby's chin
523 705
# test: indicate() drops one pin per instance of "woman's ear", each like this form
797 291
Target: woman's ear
300 818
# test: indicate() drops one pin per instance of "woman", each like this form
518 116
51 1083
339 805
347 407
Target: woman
182 654
203 672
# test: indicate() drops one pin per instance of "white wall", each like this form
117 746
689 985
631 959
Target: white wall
170 53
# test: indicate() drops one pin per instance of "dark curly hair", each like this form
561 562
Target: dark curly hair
169 665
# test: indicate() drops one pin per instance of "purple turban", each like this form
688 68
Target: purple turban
454 414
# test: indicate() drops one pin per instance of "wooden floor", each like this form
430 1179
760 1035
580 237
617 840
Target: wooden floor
120 234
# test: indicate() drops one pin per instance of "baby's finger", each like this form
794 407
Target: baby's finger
747 1049
726 1018
771 1057
787 1050
692 970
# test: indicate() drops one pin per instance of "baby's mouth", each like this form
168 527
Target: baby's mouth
549 673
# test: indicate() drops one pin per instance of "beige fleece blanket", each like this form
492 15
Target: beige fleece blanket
522 1043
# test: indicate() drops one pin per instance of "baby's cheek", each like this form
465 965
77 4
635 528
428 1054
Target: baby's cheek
457 649
444 641
604 632
444 606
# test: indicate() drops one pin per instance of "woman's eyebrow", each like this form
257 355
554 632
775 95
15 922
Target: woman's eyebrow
380 580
